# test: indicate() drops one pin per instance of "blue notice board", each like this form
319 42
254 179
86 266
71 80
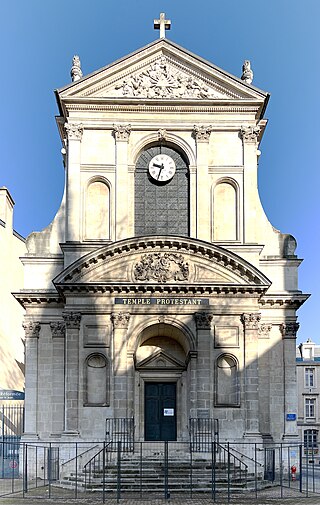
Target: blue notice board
291 417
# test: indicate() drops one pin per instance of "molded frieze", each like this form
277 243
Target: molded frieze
203 320
120 319
72 319
251 321
289 330
122 132
161 267
58 329
74 131
32 329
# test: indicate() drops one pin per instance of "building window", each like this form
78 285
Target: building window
310 440
310 408
309 376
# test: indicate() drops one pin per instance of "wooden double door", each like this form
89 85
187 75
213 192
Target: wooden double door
160 411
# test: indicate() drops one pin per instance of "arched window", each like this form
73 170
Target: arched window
97 211
227 381
161 193
225 210
97 379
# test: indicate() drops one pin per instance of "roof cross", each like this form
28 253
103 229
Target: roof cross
162 24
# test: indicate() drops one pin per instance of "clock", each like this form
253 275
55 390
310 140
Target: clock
162 168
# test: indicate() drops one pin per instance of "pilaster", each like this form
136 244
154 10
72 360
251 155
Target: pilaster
58 333
72 322
121 134
32 332
120 321
73 186
204 369
202 136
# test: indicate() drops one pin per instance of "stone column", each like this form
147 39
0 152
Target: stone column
289 333
193 390
32 332
58 332
120 322
202 136
204 365
130 388
121 134
251 202
251 373
72 322
73 185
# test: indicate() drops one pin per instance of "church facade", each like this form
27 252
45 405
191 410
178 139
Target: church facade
160 293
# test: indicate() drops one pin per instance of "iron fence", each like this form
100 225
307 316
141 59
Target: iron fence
160 470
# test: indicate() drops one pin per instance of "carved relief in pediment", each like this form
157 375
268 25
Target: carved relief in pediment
161 267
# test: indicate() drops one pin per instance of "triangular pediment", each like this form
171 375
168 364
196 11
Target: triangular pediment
160 360
162 70
147 263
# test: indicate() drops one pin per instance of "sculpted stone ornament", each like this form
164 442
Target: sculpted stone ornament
289 330
161 267
74 130
247 74
32 329
72 319
76 72
202 133
162 135
58 329
122 132
251 321
250 133
203 320
120 319
160 80
264 330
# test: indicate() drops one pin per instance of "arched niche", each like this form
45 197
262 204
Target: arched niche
97 210
227 387
225 211
97 380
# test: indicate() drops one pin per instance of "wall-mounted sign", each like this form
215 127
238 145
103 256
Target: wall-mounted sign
11 394
168 412
291 417
162 301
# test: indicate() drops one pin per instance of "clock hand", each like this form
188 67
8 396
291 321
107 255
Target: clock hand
161 168
158 166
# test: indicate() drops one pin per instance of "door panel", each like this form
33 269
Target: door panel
160 411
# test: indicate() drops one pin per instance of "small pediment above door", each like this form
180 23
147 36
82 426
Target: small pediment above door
160 361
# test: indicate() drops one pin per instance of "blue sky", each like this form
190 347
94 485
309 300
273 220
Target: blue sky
38 39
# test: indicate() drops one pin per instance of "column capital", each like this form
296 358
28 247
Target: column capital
264 330
202 132
251 321
58 329
122 132
120 319
72 319
250 134
74 130
289 330
203 320
32 329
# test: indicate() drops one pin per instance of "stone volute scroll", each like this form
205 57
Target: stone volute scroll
76 72
202 133
122 132
250 134
161 267
203 320
32 329
247 74
289 330
120 319
58 329
74 130
72 319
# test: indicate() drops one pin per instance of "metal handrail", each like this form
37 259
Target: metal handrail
79 455
245 456
235 458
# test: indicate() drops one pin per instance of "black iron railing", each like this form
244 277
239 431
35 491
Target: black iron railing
203 432
121 430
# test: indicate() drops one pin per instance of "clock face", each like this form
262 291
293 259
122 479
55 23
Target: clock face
162 167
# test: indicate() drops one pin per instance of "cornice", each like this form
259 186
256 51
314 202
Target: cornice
38 297
283 300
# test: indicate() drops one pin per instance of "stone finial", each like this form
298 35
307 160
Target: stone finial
76 72
162 24
247 74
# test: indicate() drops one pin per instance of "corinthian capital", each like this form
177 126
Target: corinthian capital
203 320
264 330
32 329
72 319
250 134
120 319
58 329
289 330
251 321
202 133
122 132
74 130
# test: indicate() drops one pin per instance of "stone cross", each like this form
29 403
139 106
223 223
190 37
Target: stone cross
162 24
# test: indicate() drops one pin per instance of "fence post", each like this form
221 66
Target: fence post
25 468
104 473
213 471
49 469
166 490
228 456
300 466
118 470
281 471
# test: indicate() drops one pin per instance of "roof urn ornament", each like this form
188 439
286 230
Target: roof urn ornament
76 72
247 74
